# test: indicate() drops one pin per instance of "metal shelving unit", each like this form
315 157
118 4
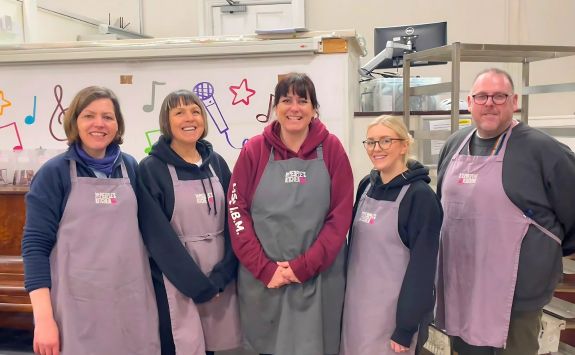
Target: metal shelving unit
457 53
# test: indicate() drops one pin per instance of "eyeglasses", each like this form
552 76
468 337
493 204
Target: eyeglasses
384 142
497 99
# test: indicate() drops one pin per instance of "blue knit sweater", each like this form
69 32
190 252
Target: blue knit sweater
45 204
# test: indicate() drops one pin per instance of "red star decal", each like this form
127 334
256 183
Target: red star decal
242 93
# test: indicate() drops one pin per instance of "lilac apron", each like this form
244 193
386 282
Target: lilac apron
288 211
481 236
376 267
213 325
102 292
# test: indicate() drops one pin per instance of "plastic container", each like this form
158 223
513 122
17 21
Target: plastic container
386 94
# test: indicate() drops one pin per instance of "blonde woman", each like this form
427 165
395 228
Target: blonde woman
393 247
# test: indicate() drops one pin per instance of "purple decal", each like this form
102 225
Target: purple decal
205 92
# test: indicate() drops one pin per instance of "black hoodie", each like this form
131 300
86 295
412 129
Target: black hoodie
169 256
419 224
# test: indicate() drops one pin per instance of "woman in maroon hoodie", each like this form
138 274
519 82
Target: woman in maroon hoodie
290 205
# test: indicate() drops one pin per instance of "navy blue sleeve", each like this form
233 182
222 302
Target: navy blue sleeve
226 270
162 243
45 203
420 218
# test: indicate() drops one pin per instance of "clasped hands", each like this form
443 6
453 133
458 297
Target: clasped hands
283 275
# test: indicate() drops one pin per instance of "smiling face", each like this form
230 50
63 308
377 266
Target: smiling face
491 119
97 127
392 159
294 113
186 124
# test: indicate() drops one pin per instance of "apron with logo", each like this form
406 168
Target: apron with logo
102 293
377 263
288 211
213 325
481 240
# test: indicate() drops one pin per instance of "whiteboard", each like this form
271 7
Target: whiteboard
239 90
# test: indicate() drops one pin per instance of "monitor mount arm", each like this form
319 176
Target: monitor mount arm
407 43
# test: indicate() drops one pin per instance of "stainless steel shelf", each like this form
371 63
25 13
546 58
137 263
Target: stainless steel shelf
468 52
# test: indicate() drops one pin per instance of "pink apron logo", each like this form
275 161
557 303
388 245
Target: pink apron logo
201 198
367 217
295 176
105 198
465 178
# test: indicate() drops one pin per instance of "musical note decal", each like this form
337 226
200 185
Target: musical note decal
5 103
58 93
31 118
148 133
205 92
242 93
19 145
150 107
263 118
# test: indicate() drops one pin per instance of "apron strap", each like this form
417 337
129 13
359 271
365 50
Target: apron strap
460 148
544 230
73 171
319 151
501 154
173 174
213 171
124 170
402 193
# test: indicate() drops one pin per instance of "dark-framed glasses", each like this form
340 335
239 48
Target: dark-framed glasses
384 142
497 99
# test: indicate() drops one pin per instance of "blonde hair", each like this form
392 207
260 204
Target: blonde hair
395 123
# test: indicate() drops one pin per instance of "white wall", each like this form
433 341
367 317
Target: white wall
487 21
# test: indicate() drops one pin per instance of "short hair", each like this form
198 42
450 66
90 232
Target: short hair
84 98
176 99
300 84
396 124
496 71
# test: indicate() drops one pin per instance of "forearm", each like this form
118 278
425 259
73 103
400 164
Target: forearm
41 305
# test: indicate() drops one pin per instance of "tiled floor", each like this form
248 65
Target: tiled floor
15 342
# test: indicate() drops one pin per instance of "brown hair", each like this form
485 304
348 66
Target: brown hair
300 84
176 99
84 98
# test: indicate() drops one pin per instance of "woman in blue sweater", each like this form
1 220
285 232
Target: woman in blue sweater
86 268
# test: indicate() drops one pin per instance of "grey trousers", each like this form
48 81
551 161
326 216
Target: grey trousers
522 338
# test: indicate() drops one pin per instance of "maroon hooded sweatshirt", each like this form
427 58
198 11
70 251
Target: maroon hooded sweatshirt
245 179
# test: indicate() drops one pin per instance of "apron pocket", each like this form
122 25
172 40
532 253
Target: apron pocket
206 250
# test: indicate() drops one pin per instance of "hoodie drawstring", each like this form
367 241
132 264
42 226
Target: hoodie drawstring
213 197
206 194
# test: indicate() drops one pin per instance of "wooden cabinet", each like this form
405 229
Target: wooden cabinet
15 308
12 217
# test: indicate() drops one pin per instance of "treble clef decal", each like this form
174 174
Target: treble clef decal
58 95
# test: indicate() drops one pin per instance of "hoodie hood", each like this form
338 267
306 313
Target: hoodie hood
316 135
415 172
162 150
